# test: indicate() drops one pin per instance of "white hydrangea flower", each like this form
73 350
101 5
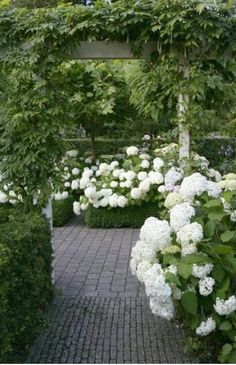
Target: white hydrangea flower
159 291
180 215
172 269
206 286
84 182
84 206
3 197
75 184
132 151
172 199
188 250
133 266
77 208
136 193
142 175
128 184
64 195
233 216
206 327
75 171
190 233
72 153
114 184
230 176
87 172
66 169
114 164
104 202
104 168
156 233
67 184
88 160
113 200
201 271
142 251
90 192
144 156
145 164
116 173
142 267
122 184
161 189
67 176
57 196
228 184
172 176
144 185
225 307
213 189
192 185
122 201
130 175
158 163
106 192
156 177
94 168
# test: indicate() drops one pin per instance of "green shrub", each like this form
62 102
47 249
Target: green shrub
62 211
133 216
25 282
220 152
5 211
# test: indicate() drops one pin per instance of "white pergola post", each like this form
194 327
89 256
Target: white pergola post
47 211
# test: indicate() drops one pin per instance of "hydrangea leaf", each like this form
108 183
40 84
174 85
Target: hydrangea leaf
209 229
225 326
185 269
190 303
213 203
227 236
218 273
222 249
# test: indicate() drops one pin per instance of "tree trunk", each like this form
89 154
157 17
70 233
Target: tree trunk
184 134
93 146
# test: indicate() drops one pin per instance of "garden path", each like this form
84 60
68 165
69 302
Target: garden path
101 314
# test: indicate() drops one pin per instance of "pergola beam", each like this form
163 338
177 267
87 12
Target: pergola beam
110 50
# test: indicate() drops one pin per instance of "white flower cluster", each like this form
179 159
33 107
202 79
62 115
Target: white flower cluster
206 286
228 182
206 327
201 271
225 307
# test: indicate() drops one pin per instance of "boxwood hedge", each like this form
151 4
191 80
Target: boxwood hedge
25 282
62 211
133 216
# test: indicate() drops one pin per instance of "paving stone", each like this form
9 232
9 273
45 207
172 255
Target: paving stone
102 314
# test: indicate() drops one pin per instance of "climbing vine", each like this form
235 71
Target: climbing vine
34 43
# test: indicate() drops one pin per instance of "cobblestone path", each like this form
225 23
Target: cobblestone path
102 314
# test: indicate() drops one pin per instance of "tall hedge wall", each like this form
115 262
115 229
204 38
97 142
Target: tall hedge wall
25 282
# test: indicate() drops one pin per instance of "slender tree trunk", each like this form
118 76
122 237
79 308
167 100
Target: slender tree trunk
92 137
184 134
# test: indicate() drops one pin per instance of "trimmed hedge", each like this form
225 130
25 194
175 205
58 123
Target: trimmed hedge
62 211
120 217
102 146
221 152
25 282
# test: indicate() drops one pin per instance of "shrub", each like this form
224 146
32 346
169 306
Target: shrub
62 211
221 152
188 265
25 282
5 211
120 217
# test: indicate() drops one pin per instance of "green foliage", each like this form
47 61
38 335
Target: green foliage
133 216
62 211
25 282
5 212
221 152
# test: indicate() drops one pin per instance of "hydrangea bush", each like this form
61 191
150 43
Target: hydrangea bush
140 176
187 263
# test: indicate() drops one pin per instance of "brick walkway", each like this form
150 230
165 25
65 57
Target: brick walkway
102 314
